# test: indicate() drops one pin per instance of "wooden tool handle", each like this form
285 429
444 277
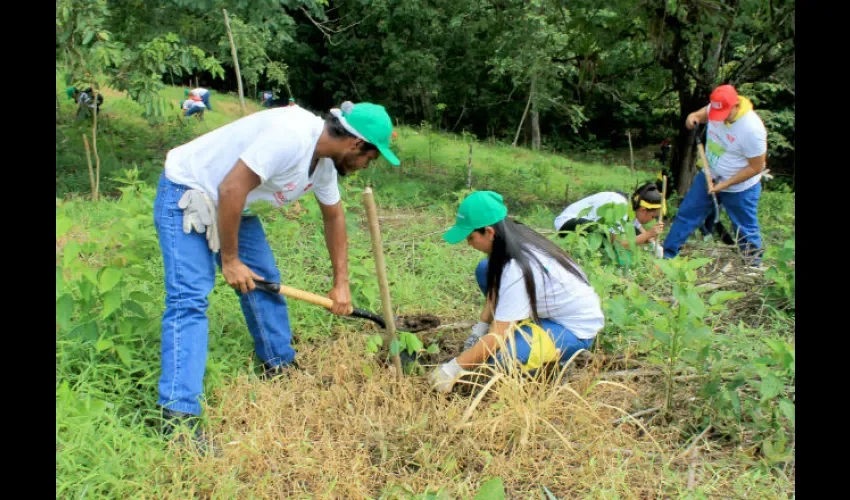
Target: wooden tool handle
297 294
306 296
704 160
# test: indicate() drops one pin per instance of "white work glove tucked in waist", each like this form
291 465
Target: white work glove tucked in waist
199 214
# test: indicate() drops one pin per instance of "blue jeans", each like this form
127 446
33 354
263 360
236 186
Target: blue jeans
205 98
190 268
565 340
697 205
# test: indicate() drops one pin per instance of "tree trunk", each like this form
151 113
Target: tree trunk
235 60
535 116
685 153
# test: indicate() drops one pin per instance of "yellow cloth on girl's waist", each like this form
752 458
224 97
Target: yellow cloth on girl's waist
542 347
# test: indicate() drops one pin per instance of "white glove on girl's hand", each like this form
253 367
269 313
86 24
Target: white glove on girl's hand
443 378
479 330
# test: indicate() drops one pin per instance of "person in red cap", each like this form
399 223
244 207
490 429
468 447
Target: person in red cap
736 150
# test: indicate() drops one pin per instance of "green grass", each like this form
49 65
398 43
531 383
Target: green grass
107 357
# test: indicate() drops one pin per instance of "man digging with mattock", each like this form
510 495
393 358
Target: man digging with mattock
736 153
276 155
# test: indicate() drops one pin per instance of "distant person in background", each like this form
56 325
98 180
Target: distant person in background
646 203
201 93
266 98
84 100
292 102
665 150
193 105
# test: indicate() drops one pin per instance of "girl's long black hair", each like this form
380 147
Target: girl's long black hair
515 241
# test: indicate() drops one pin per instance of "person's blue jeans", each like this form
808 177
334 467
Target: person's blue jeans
564 340
697 205
194 109
190 269
205 98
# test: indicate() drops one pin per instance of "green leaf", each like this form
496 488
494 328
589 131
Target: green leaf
70 253
64 311
433 349
371 346
141 297
661 336
135 308
667 268
594 240
89 273
770 386
124 355
697 263
86 289
787 408
62 226
395 347
111 302
86 331
492 489
694 303
60 281
697 334
411 342
736 402
723 296
103 344
108 279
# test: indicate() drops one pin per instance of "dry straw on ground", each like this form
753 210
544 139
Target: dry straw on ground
331 431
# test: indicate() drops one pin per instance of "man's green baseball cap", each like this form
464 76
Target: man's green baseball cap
479 209
369 122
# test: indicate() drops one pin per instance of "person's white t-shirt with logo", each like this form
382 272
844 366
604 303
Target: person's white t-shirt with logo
728 148
593 202
561 297
200 91
276 144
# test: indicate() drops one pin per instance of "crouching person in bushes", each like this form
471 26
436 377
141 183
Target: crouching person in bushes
646 203
539 303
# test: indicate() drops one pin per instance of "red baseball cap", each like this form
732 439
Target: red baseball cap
722 100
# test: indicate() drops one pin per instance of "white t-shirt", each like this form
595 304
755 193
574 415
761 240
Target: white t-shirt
593 202
561 298
277 144
729 146
200 91
189 103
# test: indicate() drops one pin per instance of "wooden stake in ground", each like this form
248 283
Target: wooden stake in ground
663 198
522 120
469 168
631 152
381 271
235 60
94 145
91 170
